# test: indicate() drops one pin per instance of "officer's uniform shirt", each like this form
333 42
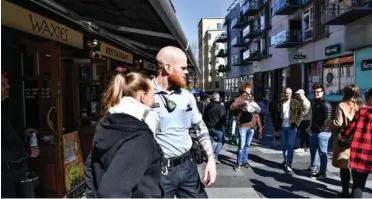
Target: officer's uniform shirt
173 135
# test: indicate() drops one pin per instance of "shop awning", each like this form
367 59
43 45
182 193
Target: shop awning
341 60
145 25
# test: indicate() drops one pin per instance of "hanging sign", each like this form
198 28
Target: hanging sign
25 20
115 53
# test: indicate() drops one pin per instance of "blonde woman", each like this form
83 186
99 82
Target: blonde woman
345 112
125 160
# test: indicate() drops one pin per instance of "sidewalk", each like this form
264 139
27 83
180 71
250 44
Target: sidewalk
267 178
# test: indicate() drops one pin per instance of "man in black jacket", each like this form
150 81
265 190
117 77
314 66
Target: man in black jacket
215 119
320 132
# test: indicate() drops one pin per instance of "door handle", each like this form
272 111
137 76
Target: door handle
49 121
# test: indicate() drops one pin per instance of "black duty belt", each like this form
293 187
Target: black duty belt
172 162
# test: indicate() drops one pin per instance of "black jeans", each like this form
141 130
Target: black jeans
345 181
359 183
184 182
304 136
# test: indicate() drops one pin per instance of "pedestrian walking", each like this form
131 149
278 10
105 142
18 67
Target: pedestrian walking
305 123
247 121
344 114
359 134
287 121
320 132
178 113
215 119
125 160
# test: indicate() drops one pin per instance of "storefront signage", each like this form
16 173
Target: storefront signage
115 53
366 65
22 19
299 56
333 50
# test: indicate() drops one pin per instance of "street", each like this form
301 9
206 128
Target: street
268 180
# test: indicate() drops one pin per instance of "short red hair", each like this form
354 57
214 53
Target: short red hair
244 86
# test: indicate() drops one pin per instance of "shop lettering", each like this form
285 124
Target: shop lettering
115 53
367 64
331 50
51 29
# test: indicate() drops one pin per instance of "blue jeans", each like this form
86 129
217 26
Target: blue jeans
219 134
246 136
319 142
288 139
183 181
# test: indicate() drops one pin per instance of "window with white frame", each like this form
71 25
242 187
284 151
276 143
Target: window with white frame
307 24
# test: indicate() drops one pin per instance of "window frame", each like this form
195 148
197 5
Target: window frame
308 13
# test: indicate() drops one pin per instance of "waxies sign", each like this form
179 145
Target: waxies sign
333 50
27 21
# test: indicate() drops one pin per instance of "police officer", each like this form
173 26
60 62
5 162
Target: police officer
178 112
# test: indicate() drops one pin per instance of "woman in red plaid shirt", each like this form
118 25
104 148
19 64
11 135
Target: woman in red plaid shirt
360 132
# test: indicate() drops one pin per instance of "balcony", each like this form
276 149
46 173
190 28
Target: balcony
252 55
237 42
252 31
286 7
346 12
237 61
251 7
287 39
222 53
223 68
238 23
221 38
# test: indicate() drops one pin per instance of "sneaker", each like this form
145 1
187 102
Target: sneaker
311 171
299 150
319 176
288 169
307 149
247 165
237 168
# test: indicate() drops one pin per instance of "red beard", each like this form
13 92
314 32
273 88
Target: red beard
176 80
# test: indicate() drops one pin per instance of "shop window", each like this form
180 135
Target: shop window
307 24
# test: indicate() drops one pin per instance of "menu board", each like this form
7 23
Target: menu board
73 161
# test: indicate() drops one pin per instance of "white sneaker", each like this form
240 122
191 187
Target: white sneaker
299 150
307 150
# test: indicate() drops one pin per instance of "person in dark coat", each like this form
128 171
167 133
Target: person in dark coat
125 160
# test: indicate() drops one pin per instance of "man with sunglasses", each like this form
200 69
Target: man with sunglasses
320 132
178 113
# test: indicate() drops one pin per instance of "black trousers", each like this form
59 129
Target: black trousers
359 183
345 180
304 136
183 181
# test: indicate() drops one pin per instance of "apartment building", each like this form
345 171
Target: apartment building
297 43
208 30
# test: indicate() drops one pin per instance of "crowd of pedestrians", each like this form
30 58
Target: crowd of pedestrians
143 147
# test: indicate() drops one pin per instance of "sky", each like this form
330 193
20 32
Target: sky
189 13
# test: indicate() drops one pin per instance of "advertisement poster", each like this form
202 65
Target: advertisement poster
73 161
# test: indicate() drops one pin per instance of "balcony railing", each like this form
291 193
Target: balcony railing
252 55
222 53
251 7
238 23
236 61
288 39
237 42
346 12
223 68
221 38
252 31
286 7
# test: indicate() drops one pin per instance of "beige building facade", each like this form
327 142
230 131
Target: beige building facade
208 30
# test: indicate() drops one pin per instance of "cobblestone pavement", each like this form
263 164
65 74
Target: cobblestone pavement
268 180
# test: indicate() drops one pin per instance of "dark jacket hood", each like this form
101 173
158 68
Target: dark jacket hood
111 130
